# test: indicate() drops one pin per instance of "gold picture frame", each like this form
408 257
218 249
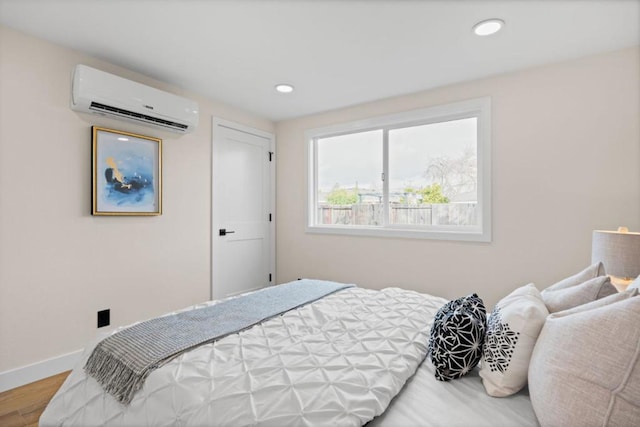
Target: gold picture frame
126 173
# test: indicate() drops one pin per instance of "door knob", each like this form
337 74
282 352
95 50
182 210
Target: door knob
224 232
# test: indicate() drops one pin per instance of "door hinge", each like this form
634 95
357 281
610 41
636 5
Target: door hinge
270 155
269 276
270 218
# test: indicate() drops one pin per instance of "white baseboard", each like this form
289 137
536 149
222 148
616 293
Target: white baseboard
37 371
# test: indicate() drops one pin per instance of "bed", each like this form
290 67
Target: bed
353 357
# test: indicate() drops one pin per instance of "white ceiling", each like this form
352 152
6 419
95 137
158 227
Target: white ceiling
336 53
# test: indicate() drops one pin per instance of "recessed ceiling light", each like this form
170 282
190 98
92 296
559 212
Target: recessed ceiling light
122 139
488 27
284 88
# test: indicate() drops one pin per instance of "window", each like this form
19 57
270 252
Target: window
420 174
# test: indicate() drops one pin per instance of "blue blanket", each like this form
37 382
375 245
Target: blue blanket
122 361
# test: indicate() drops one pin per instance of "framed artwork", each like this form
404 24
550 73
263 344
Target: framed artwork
127 173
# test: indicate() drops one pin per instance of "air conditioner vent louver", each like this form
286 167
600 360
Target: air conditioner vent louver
97 92
95 106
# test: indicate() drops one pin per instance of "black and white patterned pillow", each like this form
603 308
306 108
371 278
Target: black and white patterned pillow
512 330
457 337
500 342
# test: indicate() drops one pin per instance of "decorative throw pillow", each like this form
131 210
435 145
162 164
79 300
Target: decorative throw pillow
513 327
591 272
457 335
585 368
573 296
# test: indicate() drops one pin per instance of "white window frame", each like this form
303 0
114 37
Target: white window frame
479 108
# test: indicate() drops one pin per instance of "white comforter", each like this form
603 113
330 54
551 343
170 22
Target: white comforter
338 361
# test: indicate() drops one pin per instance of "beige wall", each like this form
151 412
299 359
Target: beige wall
58 264
566 151
566 145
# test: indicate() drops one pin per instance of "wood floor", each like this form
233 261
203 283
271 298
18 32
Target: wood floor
22 406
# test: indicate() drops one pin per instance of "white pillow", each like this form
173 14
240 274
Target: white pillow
585 369
591 272
635 284
610 299
513 328
591 290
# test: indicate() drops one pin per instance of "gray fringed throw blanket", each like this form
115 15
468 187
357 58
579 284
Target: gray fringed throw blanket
122 361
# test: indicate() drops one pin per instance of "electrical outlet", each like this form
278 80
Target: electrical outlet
104 318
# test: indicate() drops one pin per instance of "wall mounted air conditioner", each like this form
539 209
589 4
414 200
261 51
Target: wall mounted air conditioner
94 91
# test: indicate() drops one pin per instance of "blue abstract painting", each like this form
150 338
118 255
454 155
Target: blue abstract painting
126 173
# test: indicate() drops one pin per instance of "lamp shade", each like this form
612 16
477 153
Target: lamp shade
619 251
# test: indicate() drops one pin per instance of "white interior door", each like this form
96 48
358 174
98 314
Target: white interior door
243 255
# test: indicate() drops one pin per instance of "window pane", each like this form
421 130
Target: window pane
436 165
349 189
433 174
